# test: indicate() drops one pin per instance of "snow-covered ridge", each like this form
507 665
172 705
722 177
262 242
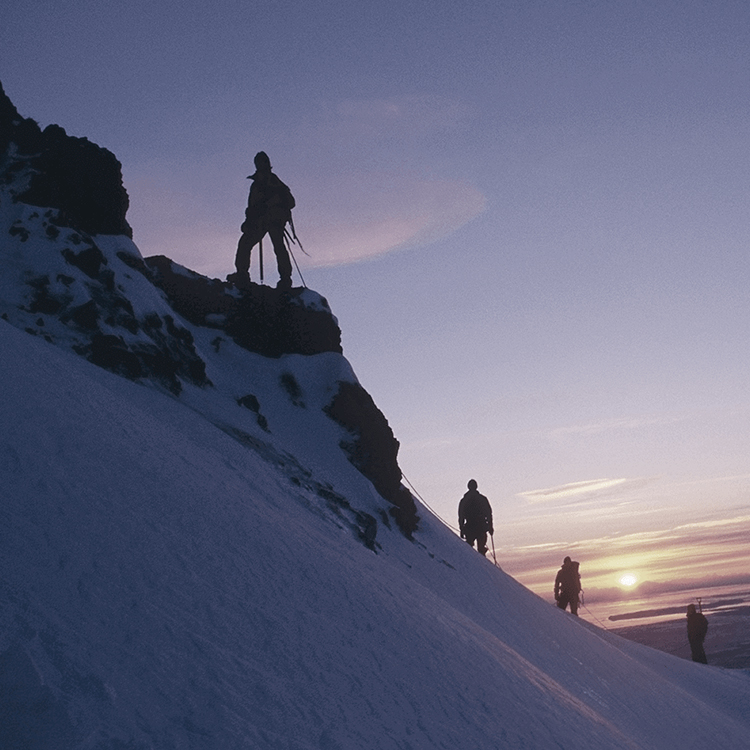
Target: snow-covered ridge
166 585
159 324
153 321
97 296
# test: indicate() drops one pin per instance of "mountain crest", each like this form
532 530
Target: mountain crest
50 169
72 275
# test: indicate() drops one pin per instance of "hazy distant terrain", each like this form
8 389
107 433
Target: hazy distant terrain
727 643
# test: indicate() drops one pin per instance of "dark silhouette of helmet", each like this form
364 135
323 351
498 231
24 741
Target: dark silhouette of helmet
472 485
262 162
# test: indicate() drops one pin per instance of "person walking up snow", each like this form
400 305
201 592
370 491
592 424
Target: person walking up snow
269 208
568 585
697 627
475 518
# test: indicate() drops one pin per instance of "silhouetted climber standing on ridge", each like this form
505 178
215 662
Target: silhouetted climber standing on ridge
568 585
269 208
475 517
697 627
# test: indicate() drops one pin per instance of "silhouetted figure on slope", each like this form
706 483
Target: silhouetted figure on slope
568 585
269 208
475 518
697 627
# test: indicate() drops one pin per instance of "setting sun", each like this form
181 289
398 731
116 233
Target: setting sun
628 580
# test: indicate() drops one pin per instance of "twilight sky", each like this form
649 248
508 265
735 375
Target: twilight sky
530 218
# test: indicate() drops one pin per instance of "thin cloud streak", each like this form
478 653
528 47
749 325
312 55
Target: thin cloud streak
711 480
707 552
371 215
628 423
586 487
570 489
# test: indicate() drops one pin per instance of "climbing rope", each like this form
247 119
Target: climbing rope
426 505
442 520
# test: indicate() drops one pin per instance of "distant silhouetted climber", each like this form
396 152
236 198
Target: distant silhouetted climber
697 627
475 518
568 585
269 208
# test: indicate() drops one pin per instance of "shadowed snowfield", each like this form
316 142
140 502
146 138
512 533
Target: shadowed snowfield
168 583
727 642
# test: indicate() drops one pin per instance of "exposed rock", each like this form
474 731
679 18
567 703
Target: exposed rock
81 179
89 260
251 402
24 133
260 319
289 383
373 449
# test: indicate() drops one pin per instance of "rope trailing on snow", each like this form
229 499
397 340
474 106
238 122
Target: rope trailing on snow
426 505
441 519
594 616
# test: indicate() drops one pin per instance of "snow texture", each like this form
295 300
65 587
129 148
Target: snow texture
175 576
190 560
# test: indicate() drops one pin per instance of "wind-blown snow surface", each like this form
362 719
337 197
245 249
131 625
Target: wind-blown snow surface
166 586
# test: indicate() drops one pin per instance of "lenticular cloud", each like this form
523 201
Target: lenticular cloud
385 213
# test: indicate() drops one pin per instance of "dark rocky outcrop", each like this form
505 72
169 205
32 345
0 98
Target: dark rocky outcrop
23 132
251 402
260 319
81 179
168 357
373 449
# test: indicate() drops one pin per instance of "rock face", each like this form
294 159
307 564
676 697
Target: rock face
373 449
73 175
260 319
76 291
70 273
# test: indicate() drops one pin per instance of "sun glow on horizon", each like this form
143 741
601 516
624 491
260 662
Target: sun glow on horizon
628 580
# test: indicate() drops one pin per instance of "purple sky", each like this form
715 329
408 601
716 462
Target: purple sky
530 218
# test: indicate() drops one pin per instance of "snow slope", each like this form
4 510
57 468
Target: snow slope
189 559
170 583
